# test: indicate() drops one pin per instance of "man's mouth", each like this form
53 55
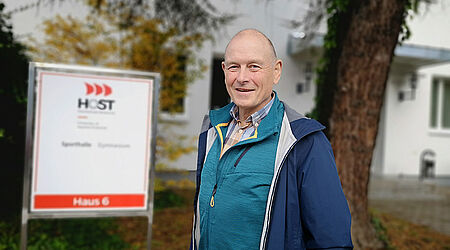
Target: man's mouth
243 90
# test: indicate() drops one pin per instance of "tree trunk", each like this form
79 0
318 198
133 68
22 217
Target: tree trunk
362 72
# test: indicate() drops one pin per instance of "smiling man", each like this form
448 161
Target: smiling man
266 176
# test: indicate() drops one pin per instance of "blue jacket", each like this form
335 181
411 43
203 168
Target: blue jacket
306 207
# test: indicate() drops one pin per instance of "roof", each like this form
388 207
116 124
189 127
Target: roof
406 54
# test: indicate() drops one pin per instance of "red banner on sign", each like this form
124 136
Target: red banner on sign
88 201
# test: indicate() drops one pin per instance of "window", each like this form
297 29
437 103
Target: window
172 101
219 96
440 104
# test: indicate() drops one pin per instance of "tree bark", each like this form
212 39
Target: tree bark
362 72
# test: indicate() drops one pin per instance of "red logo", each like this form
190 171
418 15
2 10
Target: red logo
99 89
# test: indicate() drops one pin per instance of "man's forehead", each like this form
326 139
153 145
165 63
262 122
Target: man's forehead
246 57
252 37
247 60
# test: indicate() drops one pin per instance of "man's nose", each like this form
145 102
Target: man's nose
243 75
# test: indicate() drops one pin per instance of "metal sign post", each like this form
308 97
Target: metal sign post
90 143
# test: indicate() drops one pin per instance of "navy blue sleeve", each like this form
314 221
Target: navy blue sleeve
200 159
324 210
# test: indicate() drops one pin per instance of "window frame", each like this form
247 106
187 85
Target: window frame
438 129
168 116
177 116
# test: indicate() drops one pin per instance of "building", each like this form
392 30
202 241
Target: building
414 129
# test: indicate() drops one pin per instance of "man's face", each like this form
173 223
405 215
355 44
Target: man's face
251 70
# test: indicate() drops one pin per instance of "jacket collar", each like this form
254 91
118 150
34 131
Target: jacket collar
267 125
301 125
221 115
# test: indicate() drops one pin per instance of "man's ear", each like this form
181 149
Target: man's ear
223 66
277 71
223 69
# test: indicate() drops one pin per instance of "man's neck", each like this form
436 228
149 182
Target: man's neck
244 114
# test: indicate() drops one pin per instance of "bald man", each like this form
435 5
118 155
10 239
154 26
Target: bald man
266 176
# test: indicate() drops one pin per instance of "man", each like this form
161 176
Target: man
266 176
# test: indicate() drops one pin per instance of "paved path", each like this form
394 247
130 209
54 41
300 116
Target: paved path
421 202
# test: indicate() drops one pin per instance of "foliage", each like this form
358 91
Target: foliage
71 41
166 51
411 6
181 184
65 234
102 39
9 236
167 193
161 185
172 147
167 198
399 234
380 229
13 69
188 15
338 12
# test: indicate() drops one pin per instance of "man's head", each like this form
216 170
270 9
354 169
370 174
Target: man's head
251 70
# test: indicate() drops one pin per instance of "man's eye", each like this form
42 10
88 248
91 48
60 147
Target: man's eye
254 67
233 67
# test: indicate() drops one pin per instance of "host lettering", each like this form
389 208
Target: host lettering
101 104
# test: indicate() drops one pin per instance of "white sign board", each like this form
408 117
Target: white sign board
91 144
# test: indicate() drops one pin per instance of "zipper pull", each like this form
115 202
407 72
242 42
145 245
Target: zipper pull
211 203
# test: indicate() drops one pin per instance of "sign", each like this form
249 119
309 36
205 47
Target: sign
91 141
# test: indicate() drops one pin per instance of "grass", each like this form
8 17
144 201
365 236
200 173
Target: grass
64 234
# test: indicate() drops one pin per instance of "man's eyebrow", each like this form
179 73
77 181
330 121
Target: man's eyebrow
229 62
248 62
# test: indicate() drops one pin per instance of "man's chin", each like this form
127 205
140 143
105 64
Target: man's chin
245 106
